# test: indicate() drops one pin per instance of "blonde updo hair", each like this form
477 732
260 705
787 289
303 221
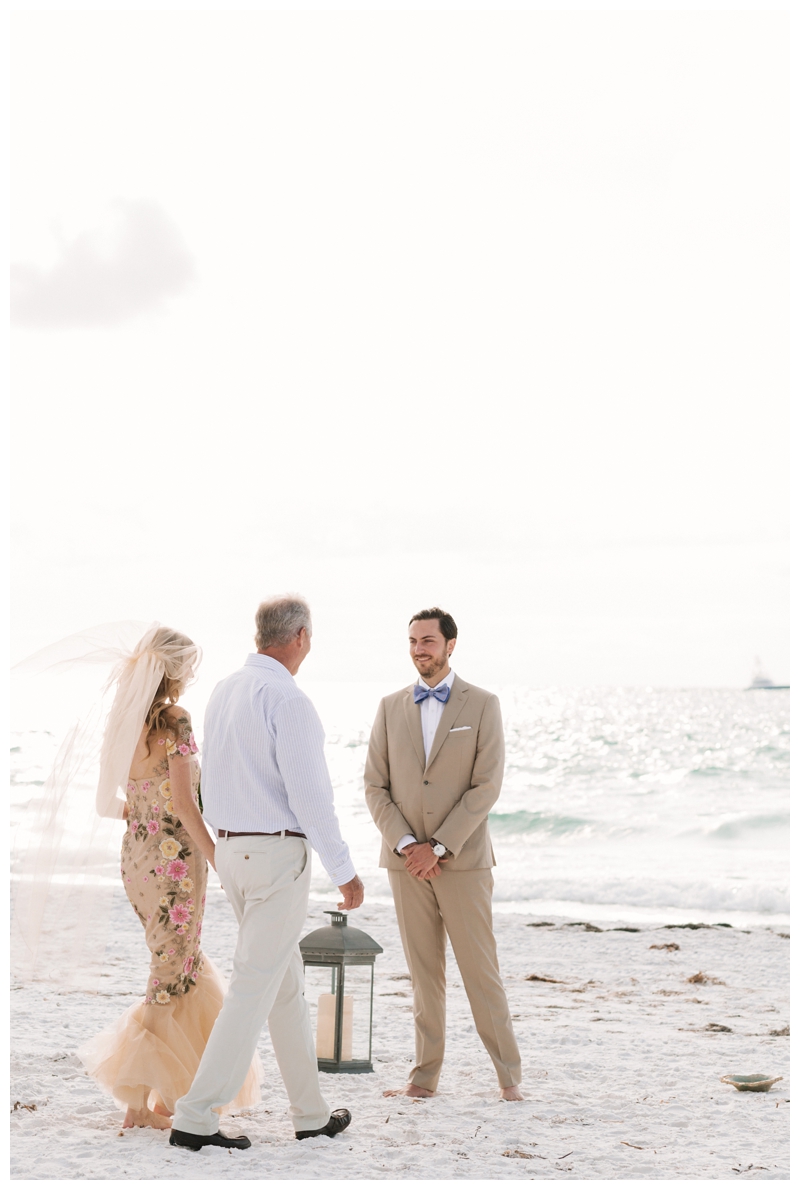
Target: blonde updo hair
179 656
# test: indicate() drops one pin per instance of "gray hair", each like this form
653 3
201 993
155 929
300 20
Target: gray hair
279 619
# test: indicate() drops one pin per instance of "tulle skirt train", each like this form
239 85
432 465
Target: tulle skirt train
149 1057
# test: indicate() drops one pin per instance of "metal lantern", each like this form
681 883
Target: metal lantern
339 966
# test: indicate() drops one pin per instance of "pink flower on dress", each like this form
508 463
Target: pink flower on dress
187 966
146 785
159 869
203 900
199 930
131 787
192 742
152 827
179 915
156 982
177 869
180 929
193 977
161 741
145 879
171 951
134 826
183 749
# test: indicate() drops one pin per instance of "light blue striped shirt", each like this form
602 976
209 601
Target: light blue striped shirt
264 763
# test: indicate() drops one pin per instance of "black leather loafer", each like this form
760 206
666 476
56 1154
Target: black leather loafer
337 1123
190 1140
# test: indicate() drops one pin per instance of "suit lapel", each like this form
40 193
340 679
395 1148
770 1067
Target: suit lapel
414 721
458 696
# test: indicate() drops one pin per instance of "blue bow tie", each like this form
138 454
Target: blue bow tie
442 693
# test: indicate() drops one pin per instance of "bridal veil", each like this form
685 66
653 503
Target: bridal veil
66 860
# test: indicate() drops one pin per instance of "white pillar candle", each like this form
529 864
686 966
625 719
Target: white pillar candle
326 1027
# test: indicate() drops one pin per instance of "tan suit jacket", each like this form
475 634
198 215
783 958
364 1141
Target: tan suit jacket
450 797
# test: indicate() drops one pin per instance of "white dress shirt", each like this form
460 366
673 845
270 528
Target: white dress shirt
430 715
264 764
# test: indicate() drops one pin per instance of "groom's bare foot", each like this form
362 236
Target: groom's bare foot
145 1119
512 1094
413 1092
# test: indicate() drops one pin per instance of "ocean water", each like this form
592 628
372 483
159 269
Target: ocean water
628 804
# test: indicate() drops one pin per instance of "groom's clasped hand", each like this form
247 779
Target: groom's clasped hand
422 862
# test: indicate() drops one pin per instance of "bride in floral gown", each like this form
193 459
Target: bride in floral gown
148 1059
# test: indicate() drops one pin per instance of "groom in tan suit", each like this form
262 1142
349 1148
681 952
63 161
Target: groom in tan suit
434 771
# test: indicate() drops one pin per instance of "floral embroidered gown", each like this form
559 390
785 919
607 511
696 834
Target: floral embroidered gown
150 1056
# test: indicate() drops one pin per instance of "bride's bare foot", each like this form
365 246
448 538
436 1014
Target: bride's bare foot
413 1092
162 1110
145 1119
512 1094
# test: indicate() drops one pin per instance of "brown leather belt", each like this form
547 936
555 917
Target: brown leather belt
241 834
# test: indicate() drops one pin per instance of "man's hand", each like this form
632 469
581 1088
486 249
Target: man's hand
421 862
353 893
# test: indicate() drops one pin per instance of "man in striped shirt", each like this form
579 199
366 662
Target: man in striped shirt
268 795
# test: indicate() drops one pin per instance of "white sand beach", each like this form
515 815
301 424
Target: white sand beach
622 1057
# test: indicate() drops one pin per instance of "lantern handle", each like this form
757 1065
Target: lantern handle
337 917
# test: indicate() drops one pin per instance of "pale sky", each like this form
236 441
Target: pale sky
398 308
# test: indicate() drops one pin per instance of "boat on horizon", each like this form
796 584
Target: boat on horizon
760 681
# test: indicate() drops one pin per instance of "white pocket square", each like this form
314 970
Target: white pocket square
452 729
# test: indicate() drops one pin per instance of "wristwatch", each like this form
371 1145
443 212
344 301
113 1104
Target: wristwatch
438 849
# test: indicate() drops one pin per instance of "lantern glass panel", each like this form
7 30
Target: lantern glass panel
322 983
358 993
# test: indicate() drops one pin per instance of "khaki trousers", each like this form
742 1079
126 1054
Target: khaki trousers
461 904
266 880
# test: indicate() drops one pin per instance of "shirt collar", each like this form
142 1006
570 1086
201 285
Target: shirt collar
448 681
261 661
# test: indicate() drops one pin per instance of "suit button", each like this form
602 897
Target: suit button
424 782
247 857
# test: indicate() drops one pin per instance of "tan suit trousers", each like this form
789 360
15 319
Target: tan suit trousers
461 904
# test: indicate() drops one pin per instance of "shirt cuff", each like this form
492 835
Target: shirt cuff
343 874
404 842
